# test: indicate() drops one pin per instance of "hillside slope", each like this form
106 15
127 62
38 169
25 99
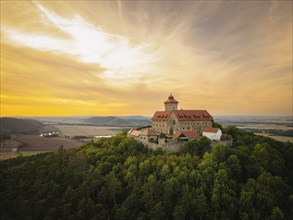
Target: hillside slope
20 126
119 178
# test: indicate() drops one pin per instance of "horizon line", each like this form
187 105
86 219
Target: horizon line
18 116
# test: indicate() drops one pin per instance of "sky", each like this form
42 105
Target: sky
126 57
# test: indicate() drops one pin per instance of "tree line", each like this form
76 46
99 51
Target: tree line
119 178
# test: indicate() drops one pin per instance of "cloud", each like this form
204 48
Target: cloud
227 57
120 56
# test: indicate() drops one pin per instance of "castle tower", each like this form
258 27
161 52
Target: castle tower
171 103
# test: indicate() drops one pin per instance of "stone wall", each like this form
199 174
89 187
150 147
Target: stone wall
171 106
167 146
174 146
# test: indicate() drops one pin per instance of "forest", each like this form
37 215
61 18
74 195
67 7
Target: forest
119 178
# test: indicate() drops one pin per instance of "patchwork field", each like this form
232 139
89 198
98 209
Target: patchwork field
279 128
80 130
265 126
278 138
37 143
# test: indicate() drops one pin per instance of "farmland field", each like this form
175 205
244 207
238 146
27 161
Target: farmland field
9 155
83 130
278 138
265 126
37 143
31 153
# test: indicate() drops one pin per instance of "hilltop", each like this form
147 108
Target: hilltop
20 126
119 178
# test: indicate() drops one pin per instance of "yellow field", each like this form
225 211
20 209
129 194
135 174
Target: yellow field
9 155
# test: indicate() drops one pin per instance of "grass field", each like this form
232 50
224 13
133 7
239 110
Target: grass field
9 155
80 130
31 153
278 138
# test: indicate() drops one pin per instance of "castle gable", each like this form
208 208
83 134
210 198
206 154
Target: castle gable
134 133
148 132
183 115
186 135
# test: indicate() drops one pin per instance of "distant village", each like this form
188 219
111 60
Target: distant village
170 128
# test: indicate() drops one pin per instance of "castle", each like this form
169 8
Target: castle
177 125
171 121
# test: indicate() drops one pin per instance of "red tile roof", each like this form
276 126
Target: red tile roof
128 132
184 115
188 134
171 100
161 115
193 115
134 132
148 132
210 130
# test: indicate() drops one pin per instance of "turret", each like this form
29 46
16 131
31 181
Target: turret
171 103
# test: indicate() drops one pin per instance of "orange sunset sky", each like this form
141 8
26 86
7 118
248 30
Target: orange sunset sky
125 57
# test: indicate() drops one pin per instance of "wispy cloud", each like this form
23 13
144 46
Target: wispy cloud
228 57
121 57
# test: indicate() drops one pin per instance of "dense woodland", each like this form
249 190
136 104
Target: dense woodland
119 178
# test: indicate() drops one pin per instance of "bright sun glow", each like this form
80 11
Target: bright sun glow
122 57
